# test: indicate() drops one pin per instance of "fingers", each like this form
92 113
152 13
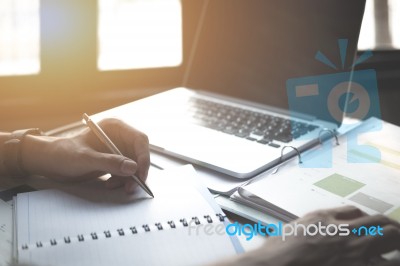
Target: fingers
130 186
374 220
380 244
140 151
114 182
347 213
142 157
132 142
118 181
340 213
111 163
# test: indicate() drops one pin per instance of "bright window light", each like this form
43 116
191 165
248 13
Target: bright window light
367 33
19 37
136 34
394 20
368 37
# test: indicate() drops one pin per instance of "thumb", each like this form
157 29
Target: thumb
113 164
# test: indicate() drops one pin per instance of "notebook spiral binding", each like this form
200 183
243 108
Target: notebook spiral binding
331 132
282 160
121 232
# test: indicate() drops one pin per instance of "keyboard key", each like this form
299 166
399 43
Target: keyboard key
296 135
311 127
230 130
252 125
284 138
274 145
257 133
264 141
242 134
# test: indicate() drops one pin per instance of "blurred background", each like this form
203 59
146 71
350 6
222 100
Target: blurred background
60 58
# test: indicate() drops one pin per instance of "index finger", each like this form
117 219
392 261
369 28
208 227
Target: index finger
348 213
374 220
131 142
373 245
142 154
343 213
139 151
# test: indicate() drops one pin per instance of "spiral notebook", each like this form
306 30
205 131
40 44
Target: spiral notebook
101 228
369 181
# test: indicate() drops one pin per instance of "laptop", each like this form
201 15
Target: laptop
231 113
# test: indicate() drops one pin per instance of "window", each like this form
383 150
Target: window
380 29
367 34
394 13
19 37
136 34
131 34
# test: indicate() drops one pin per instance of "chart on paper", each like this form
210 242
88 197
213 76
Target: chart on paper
371 186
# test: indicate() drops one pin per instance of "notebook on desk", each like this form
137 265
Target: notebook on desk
371 185
58 228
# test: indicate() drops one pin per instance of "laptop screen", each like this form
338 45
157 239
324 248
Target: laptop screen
248 49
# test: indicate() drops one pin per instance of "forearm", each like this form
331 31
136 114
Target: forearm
36 153
3 138
33 153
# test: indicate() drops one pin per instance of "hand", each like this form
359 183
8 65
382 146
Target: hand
84 156
334 250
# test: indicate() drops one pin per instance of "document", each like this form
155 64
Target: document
371 183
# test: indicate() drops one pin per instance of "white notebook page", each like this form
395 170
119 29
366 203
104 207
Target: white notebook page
48 215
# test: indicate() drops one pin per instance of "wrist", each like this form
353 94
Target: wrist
3 138
12 151
34 153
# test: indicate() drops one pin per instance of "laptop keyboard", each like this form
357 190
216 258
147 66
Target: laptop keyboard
251 125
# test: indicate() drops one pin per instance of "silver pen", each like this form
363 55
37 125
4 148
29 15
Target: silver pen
111 146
